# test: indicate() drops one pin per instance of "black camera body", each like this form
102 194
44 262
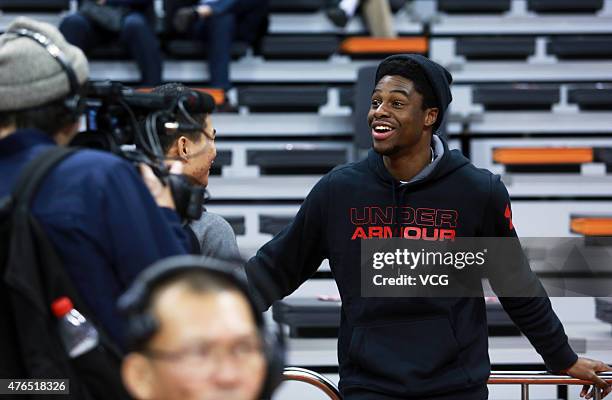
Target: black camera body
128 123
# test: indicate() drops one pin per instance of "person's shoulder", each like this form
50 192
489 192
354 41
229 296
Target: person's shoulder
211 223
481 181
96 164
102 159
476 174
348 171
216 236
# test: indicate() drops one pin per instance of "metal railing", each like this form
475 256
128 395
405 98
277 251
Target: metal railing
528 378
523 378
312 378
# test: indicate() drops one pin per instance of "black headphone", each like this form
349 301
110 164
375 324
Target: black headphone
142 325
73 102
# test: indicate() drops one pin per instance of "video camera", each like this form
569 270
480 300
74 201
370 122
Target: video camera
129 123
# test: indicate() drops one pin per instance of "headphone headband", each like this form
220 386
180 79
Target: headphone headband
135 299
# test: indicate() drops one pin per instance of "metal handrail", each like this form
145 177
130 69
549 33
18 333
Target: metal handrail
312 378
523 378
527 378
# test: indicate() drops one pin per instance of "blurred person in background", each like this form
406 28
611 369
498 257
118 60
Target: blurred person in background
218 23
94 207
377 15
131 22
195 333
195 149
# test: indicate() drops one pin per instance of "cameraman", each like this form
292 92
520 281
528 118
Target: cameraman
195 149
94 207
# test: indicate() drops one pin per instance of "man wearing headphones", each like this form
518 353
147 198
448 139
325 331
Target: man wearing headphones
93 206
194 333
193 144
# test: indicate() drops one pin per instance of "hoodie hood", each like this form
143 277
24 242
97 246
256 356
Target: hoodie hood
450 161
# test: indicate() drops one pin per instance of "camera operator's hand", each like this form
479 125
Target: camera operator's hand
160 192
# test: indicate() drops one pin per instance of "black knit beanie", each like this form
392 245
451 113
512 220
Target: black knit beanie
437 76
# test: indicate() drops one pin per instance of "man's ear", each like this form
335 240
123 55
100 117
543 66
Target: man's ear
182 147
138 376
431 116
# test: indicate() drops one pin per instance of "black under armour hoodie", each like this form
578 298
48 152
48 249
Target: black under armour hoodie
403 348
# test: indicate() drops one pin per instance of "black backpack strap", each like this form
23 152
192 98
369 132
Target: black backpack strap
35 171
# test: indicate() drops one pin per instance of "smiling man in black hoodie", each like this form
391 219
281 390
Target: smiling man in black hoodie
405 348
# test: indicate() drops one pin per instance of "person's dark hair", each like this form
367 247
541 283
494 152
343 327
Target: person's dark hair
411 70
48 118
175 90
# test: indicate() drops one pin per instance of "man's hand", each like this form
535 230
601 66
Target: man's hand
587 369
101 2
160 192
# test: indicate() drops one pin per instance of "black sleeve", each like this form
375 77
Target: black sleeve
533 315
294 254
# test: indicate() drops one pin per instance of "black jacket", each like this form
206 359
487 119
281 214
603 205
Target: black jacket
404 347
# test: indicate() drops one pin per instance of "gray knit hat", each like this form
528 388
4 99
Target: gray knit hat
29 75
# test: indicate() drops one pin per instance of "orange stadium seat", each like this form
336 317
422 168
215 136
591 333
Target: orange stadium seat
591 226
360 45
543 155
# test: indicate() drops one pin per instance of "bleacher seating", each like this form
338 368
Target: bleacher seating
581 47
474 6
565 6
28 6
593 98
516 97
283 99
495 47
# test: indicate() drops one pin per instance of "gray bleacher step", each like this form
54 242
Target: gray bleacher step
495 47
269 125
567 123
520 25
259 71
516 98
513 71
317 23
581 47
262 188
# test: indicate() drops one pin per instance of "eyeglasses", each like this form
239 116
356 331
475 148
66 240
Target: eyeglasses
205 358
